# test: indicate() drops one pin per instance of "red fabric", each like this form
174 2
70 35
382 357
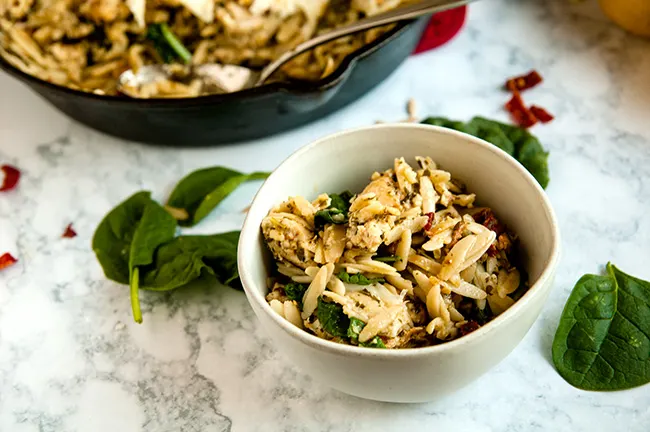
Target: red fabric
441 29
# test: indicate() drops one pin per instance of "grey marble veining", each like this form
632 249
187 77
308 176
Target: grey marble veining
71 359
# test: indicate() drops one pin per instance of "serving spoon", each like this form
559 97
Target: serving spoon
232 78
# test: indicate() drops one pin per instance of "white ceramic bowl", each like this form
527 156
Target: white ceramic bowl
345 161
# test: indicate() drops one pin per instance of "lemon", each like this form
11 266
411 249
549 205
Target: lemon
632 15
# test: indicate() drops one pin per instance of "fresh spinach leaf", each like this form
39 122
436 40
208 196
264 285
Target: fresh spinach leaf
525 147
516 141
167 44
127 238
375 342
332 318
491 132
114 235
200 192
193 188
358 279
213 199
186 258
535 159
154 228
337 212
444 122
356 325
603 340
295 291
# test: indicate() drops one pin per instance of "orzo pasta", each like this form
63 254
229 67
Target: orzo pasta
407 262
87 44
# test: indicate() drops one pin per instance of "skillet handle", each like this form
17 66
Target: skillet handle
362 73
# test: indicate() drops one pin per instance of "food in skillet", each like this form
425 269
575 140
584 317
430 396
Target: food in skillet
407 262
87 44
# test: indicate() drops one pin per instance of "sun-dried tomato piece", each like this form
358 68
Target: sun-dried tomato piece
429 224
469 327
524 82
7 260
519 112
11 177
487 218
541 114
69 232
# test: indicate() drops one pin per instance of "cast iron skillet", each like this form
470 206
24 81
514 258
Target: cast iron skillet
229 118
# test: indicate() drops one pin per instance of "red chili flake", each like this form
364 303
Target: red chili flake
69 232
11 177
7 260
469 327
441 29
541 114
429 224
520 114
524 82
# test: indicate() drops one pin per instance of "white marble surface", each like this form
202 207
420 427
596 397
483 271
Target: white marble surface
71 359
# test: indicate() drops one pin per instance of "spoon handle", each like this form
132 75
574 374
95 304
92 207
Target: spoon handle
403 13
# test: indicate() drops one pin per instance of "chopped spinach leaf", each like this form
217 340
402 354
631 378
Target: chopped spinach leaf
356 325
167 44
375 342
332 318
341 201
337 212
358 279
330 216
603 340
484 315
295 291
388 259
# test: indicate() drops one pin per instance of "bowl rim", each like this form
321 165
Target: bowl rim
296 87
249 233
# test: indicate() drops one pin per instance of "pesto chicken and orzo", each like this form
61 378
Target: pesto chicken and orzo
87 44
407 262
